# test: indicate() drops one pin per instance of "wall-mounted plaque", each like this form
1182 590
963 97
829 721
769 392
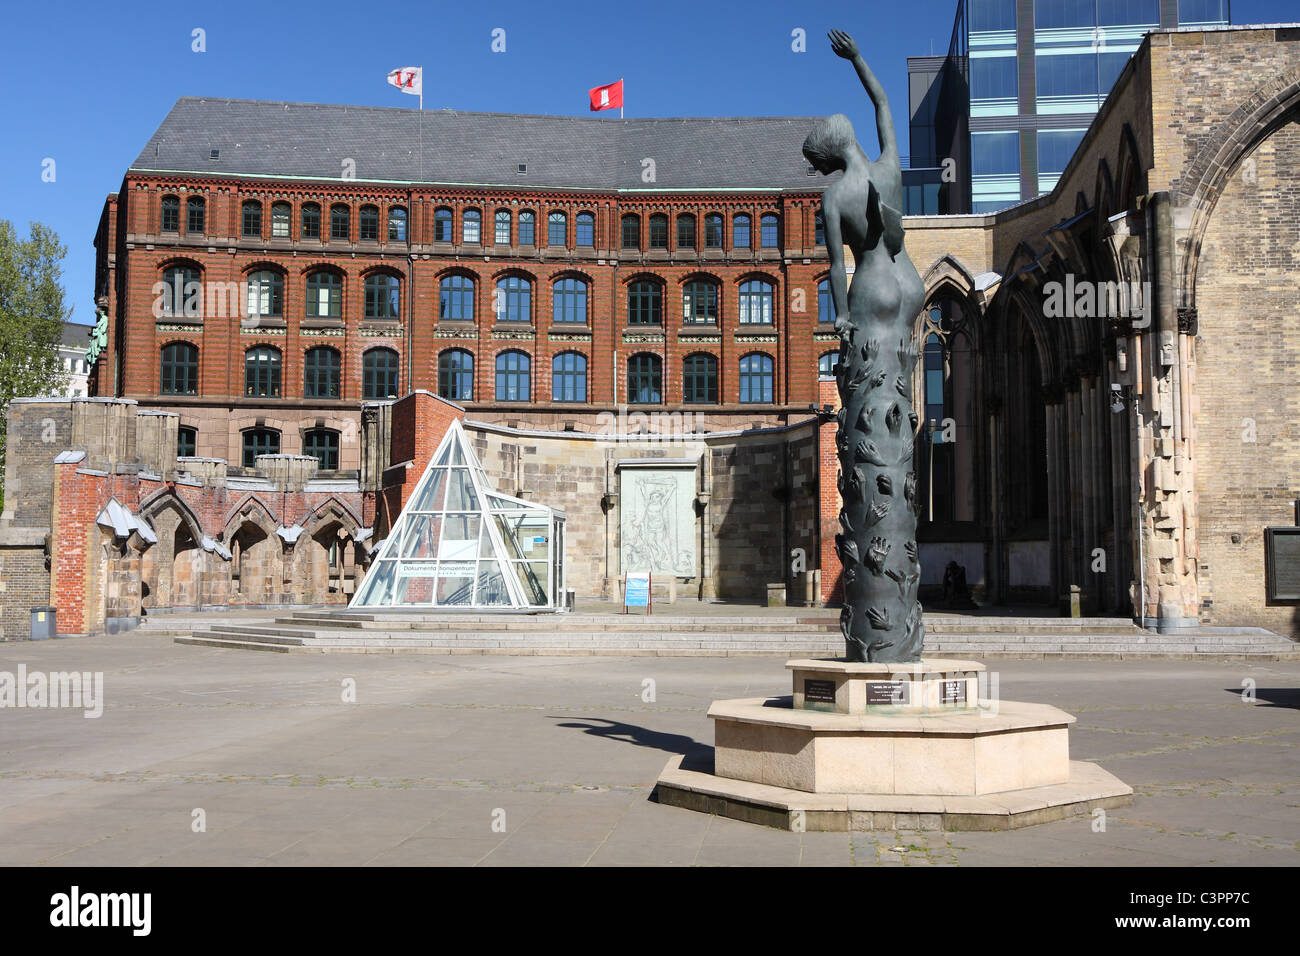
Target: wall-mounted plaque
1281 566
819 691
888 692
952 692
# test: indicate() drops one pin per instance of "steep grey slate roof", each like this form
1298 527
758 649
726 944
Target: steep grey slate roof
311 140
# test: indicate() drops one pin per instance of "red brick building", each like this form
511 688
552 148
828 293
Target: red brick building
267 267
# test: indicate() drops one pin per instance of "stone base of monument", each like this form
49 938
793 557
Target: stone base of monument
889 746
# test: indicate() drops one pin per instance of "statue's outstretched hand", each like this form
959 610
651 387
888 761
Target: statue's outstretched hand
843 44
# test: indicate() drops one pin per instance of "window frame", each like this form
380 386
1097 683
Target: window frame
322 372
268 374
373 373
185 367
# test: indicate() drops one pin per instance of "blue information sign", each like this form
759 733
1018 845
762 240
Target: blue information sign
636 590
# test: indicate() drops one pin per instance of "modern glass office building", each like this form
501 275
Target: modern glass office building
996 119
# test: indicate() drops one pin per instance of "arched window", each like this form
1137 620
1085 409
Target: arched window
456 375
769 232
324 295
645 303
368 223
756 378
740 238
180 369
471 229
501 228
321 368
323 445
514 299
944 452
756 302
700 379
686 231
826 364
586 237
194 209
171 214
396 224
819 229
557 227
260 441
569 377
513 377
183 292
456 297
527 228
570 301
645 379
658 231
281 214
713 231
379 374
700 302
340 222
442 224
310 220
265 293
383 296
262 372
252 219
825 302
187 442
631 231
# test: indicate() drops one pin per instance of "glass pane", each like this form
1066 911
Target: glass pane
377 587
459 541
415 583
506 527
534 587
491 586
422 537
460 491
430 497
456 589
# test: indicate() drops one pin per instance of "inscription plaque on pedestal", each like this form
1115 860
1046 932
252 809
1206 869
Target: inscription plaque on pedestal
952 692
1281 566
819 691
887 692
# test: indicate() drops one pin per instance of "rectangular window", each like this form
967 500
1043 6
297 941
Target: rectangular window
1066 74
1055 147
991 15
993 77
501 235
1059 14
686 232
194 217
526 229
311 222
1128 12
280 222
995 154
1202 11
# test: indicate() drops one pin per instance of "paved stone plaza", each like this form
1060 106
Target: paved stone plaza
564 752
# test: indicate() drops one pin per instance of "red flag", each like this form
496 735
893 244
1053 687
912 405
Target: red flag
608 97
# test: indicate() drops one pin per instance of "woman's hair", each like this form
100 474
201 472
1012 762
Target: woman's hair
829 140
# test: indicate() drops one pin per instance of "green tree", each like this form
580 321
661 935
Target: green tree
32 314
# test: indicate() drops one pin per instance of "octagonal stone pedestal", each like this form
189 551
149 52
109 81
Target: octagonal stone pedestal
889 746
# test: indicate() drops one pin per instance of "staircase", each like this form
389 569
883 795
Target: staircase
717 635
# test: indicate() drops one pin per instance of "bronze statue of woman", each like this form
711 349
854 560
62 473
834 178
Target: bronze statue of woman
881 619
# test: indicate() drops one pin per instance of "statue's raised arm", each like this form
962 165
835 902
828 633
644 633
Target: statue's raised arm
844 46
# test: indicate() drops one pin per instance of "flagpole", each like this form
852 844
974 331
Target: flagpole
620 102
421 86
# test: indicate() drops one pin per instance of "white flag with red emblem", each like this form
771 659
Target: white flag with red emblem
408 79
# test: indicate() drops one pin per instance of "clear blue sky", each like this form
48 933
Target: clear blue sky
86 84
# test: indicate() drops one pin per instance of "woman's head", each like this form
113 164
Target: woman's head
828 145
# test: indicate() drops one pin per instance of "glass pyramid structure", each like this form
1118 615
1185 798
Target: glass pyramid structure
459 544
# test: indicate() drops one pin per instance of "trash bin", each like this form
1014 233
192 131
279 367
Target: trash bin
570 598
43 623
